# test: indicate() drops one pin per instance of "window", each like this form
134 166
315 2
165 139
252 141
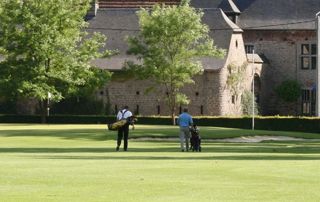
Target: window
249 48
308 57
308 104
233 99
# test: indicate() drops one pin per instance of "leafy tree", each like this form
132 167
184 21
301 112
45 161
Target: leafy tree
236 77
289 90
45 48
170 41
246 102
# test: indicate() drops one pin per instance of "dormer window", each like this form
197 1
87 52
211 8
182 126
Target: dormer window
249 48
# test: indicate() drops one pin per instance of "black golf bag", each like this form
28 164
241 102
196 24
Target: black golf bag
195 139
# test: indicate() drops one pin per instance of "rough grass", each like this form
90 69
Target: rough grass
79 163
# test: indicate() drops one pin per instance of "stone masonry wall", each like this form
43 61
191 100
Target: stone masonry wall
236 56
209 95
203 96
281 50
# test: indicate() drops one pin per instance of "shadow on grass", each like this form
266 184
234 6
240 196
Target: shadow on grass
89 134
216 151
211 157
103 134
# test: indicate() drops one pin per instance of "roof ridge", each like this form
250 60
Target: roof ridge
134 3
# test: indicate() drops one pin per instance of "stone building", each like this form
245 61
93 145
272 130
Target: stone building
281 32
209 95
284 33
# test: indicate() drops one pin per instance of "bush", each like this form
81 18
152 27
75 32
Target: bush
79 106
246 103
289 90
7 106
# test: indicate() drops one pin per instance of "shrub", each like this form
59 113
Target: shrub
289 90
246 103
79 106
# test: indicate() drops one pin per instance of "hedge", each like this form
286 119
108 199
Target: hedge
276 123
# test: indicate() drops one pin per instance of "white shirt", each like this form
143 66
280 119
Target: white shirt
123 114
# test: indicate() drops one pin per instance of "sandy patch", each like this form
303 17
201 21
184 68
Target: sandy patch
260 139
244 139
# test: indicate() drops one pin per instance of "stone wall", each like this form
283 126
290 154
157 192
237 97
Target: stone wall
209 95
281 51
203 94
237 57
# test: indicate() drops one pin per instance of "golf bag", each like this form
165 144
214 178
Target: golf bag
195 139
116 125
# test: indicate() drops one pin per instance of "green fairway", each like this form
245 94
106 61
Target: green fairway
79 163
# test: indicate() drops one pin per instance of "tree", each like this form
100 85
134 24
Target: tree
289 90
236 77
170 43
246 103
45 48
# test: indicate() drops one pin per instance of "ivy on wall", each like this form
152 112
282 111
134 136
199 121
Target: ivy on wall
236 77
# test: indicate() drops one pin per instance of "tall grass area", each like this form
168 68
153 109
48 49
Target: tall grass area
79 163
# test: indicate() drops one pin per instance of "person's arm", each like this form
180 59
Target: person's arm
118 115
131 122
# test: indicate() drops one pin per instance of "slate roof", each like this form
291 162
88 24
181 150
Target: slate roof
205 3
117 24
278 14
227 6
254 58
268 14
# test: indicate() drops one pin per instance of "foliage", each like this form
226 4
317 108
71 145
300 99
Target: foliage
121 76
236 78
289 90
7 106
170 42
246 102
79 106
46 49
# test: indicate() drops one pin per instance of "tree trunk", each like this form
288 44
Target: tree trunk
43 111
173 119
173 114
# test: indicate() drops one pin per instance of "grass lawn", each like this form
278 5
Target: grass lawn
79 163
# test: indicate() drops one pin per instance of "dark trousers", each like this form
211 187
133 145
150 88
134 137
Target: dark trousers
123 132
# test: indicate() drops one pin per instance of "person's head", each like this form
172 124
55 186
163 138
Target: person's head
126 107
185 110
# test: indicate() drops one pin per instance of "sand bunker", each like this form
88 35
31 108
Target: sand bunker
260 139
245 139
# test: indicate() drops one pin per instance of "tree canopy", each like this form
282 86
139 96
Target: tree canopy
45 48
171 41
